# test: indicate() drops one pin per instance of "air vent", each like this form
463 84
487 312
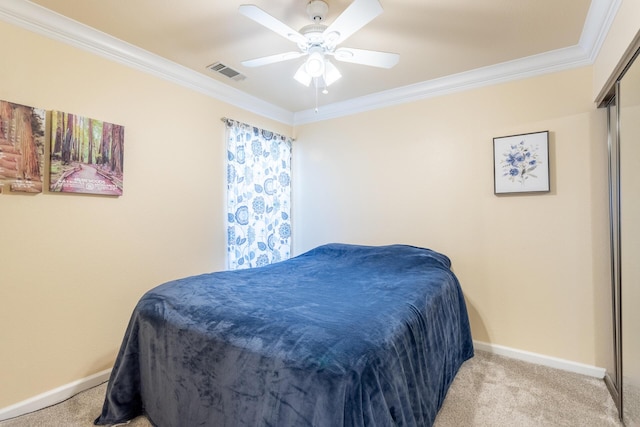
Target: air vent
226 71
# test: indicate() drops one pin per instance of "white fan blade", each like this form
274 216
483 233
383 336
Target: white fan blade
263 18
366 57
272 59
357 15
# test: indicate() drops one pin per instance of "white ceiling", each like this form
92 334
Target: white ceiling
442 43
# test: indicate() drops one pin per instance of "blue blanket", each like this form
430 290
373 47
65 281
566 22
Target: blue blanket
341 335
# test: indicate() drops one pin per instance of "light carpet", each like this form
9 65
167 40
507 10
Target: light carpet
489 391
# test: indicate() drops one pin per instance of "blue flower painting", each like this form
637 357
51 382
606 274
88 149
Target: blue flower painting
521 163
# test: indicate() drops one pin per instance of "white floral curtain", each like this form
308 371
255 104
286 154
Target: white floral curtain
258 196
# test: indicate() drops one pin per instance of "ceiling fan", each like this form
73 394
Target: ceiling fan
318 41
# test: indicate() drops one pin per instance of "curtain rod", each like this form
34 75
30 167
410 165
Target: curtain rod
226 120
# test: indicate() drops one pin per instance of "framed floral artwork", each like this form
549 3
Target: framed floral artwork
521 163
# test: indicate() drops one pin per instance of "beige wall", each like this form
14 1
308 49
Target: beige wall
422 174
73 266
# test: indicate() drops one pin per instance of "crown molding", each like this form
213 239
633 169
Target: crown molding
530 66
55 26
50 24
599 19
596 27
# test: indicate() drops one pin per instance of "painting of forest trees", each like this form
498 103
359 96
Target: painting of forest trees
22 141
86 155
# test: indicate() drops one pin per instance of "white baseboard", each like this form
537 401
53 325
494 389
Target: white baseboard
540 359
54 396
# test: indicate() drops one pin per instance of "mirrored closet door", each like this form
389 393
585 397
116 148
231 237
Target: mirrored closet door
628 99
622 99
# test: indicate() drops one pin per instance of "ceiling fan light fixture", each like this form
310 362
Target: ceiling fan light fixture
302 76
331 73
314 66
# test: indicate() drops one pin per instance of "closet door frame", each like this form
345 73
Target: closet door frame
610 97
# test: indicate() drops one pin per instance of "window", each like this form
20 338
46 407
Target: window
258 196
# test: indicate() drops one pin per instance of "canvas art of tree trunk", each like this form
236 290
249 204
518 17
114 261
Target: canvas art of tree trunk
86 155
22 140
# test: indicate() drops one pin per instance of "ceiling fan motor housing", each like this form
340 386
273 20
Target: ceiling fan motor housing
317 10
